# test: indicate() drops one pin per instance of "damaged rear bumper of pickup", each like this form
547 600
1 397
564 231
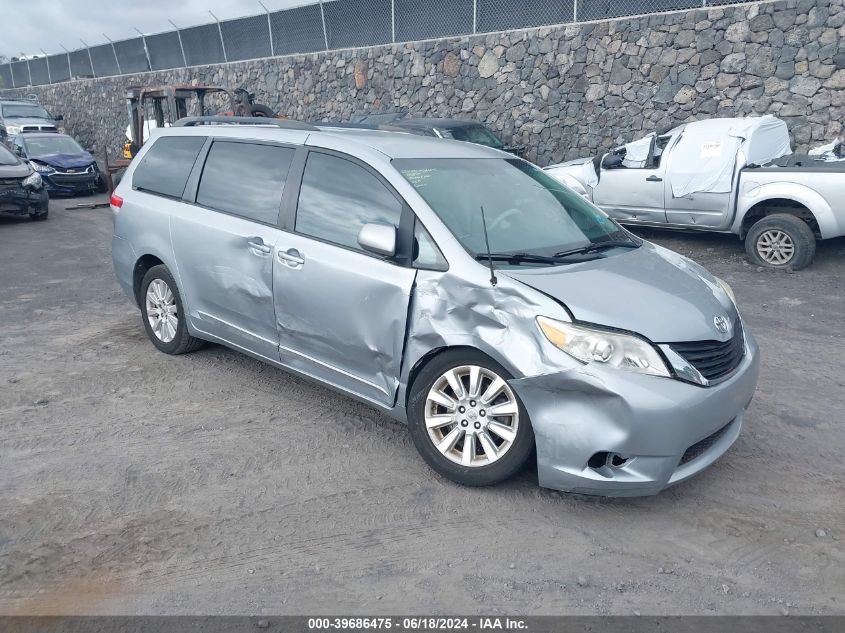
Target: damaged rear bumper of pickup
621 434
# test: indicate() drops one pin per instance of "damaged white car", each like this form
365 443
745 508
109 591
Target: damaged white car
726 175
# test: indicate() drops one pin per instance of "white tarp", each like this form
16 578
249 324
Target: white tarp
637 152
705 157
149 126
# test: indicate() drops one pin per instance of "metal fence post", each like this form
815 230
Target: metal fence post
146 50
47 59
325 32
114 52
575 11
393 21
269 29
222 43
69 68
28 69
90 61
12 75
179 35
475 16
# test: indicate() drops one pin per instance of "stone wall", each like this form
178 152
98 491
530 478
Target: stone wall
563 91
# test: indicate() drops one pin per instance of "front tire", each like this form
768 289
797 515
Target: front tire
163 314
781 241
467 422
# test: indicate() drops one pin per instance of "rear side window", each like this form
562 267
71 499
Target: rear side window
165 168
338 197
245 179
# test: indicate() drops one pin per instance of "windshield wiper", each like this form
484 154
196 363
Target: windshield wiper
527 258
599 246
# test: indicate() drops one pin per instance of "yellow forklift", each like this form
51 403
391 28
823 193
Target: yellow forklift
152 107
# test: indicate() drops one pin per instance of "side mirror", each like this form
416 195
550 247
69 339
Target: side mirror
378 238
611 161
59 117
18 150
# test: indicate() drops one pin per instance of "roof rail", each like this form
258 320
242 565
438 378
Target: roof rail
384 127
192 121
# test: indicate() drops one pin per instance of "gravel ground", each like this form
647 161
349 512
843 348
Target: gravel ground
134 482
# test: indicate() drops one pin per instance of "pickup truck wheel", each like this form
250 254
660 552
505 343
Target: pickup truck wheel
467 422
781 241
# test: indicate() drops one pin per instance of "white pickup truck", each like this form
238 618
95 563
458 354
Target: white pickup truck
726 175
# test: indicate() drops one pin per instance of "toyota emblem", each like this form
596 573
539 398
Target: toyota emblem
721 323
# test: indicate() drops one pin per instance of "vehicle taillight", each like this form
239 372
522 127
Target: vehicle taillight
116 201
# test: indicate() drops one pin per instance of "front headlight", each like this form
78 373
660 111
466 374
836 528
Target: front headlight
728 290
41 168
33 180
593 345
13 130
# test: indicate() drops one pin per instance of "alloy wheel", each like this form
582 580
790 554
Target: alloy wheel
775 247
471 415
161 310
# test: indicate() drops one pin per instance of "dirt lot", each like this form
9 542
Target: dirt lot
135 482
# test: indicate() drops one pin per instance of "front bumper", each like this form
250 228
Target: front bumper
70 184
667 430
20 201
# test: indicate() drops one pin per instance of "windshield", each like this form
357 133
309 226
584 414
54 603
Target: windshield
526 210
6 157
473 134
44 145
25 111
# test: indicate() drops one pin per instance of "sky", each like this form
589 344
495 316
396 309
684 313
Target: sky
30 25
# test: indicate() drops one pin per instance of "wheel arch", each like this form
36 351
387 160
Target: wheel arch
433 353
789 198
142 265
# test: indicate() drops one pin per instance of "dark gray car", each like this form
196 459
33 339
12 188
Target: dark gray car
22 191
455 287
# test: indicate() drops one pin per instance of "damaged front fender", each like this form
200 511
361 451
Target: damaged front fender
467 310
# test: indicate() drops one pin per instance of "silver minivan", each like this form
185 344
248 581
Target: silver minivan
452 286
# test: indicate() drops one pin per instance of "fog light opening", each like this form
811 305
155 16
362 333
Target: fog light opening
599 460
606 459
617 461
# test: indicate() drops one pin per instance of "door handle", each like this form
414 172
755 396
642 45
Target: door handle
654 179
257 245
290 258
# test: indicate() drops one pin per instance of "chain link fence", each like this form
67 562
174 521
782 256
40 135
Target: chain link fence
325 25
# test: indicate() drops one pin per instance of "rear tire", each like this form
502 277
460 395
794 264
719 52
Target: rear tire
163 314
500 445
259 110
781 241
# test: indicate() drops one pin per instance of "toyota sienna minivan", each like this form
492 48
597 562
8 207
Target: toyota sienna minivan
455 287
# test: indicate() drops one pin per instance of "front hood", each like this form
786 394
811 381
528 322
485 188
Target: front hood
17 122
652 291
570 163
15 171
65 161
